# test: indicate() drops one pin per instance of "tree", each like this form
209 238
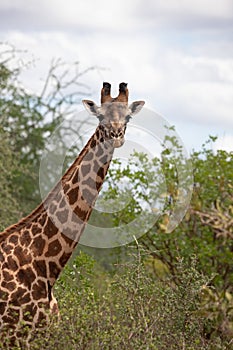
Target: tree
205 233
10 167
29 119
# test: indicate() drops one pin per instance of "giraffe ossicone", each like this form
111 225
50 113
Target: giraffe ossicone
34 251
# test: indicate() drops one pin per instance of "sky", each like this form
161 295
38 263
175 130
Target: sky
177 55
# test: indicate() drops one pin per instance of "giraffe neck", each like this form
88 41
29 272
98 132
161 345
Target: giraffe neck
69 206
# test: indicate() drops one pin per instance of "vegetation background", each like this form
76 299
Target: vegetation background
165 291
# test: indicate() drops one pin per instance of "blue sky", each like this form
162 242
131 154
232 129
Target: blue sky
177 55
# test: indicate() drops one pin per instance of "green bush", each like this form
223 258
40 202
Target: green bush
205 232
129 310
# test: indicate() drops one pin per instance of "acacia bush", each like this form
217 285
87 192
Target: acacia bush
205 232
129 309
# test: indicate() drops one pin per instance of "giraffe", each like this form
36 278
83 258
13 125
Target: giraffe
34 251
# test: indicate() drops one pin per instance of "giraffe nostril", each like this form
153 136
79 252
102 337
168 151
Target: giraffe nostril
112 134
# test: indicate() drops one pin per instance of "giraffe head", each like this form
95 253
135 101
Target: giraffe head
114 113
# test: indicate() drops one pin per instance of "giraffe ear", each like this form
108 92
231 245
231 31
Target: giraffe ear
135 107
91 107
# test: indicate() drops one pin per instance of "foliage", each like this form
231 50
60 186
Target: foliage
206 231
9 168
130 310
30 118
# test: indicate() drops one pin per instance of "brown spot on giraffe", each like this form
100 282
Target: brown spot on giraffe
2 307
29 312
13 239
50 228
62 203
16 297
25 238
80 213
11 264
12 316
75 178
90 183
52 208
93 143
54 248
39 290
26 276
11 286
42 220
39 266
88 196
73 195
7 276
64 258
22 255
35 229
89 156
101 172
85 169
62 215
38 245
8 248
54 271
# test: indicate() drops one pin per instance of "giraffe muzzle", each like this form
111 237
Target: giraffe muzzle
117 138
118 143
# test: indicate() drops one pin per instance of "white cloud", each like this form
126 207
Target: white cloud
188 14
122 58
69 16
175 54
201 89
224 142
198 88
116 16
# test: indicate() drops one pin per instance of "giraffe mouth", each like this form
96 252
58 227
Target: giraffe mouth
118 143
